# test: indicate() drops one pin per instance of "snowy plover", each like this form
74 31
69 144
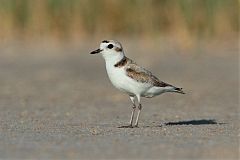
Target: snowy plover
131 78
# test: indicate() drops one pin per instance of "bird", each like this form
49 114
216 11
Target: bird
131 78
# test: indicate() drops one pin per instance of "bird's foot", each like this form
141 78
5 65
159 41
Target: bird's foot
135 126
126 126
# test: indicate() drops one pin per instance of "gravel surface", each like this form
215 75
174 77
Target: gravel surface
57 102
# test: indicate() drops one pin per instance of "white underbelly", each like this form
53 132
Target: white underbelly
153 91
126 84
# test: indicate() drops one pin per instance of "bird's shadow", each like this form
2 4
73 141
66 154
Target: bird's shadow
189 122
194 122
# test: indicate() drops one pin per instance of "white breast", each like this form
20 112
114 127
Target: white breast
124 83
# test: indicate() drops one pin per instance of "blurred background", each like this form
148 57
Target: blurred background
78 20
56 101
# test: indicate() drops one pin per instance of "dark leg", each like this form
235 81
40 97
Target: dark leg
139 111
132 115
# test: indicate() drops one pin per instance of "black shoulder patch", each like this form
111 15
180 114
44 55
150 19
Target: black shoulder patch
121 63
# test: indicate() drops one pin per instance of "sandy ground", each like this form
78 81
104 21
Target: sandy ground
57 102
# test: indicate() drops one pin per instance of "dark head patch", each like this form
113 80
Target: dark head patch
105 41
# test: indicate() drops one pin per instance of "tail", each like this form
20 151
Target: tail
178 90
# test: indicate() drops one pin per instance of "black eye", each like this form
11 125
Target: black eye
110 46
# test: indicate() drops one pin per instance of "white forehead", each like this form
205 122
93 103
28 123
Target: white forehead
105 43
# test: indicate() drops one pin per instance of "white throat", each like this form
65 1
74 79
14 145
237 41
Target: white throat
112 58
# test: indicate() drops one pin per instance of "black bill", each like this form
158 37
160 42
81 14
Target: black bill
96 51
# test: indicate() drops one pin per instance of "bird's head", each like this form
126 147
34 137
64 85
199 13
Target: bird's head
110 49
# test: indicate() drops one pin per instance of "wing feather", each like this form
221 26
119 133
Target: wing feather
142 75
